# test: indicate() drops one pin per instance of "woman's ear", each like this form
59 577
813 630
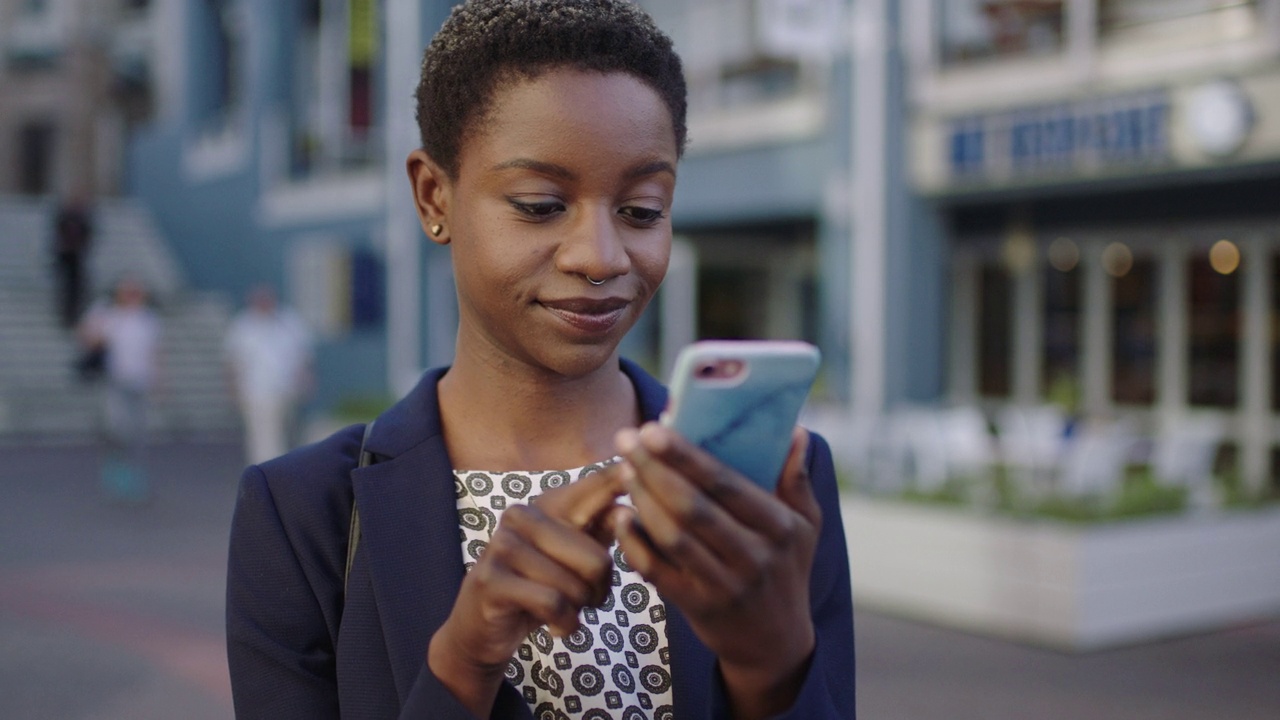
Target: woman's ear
431 194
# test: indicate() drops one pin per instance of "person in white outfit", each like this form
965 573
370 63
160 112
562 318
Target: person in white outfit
129 331
268 353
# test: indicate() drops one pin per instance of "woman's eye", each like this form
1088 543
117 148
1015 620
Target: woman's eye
643 215
538 209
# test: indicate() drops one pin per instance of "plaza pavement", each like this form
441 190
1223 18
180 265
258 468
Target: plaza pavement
115 612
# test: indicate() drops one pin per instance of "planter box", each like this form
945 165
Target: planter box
1067 586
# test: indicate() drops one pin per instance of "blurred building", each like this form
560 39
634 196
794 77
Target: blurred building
277 155
793 207
1107 172
280 160
73 77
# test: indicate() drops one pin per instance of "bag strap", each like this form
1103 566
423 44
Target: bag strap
353 533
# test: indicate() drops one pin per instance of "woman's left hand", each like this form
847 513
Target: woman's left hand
733 557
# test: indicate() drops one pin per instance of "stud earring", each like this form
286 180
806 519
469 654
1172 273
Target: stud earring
436 230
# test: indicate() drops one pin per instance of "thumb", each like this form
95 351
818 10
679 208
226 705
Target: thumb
794 487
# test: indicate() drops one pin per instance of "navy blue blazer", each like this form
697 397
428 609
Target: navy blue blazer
301 647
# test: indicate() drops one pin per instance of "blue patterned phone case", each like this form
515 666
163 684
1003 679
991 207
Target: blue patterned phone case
739 399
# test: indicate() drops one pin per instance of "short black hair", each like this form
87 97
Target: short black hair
487 42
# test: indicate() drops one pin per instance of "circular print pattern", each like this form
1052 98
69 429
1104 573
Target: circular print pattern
635 597
644 639
615 666
515 672
611 636
623 679
479 484
542 640
473 519
588 680
655 679
547 679
579 640
554 480
516 486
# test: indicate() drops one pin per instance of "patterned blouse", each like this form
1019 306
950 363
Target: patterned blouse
617 666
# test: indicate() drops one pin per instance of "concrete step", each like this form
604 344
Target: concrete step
40 393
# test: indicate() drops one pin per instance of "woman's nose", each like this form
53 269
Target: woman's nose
594 246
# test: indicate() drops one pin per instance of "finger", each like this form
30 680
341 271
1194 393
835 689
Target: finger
795 487
581 502
511 592
675 513
645 559
677 541
542 549
744 500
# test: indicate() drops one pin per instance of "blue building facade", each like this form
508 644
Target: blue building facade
268 164
277 156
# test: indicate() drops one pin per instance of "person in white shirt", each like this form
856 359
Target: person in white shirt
268 353
129 332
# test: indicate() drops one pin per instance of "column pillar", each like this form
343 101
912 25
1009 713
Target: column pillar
1255 375
1097 342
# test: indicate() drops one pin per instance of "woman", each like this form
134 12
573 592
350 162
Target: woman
550 136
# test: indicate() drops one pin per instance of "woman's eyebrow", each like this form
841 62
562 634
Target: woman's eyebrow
542 167
538 166
651 168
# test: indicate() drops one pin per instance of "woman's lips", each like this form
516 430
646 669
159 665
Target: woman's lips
587 314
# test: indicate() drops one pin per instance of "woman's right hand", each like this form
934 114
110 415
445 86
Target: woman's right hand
546 561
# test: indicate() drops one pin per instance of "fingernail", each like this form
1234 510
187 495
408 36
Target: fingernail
627 441
654 437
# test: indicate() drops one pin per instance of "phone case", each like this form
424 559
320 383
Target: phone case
744 420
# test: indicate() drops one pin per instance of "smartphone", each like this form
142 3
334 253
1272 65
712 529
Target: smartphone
739 400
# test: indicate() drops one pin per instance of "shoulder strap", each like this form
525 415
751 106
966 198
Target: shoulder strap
353 534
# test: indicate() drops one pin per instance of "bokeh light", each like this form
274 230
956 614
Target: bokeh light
1064 255
1117 259
1224 257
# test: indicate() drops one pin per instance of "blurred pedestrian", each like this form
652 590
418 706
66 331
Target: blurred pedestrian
268 354
128 330
72 234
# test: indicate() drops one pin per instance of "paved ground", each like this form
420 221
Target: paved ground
112 612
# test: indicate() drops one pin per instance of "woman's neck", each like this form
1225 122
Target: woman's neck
508 416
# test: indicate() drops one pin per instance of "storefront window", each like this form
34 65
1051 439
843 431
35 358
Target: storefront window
980 29
1062 313
995 336
1133 379
337 49
1213 325
220 96
1136 20
731 303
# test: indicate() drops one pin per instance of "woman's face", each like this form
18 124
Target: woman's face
569 177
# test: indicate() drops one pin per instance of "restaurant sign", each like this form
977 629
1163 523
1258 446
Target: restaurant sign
1065 139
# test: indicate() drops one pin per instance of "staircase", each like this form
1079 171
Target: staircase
40 396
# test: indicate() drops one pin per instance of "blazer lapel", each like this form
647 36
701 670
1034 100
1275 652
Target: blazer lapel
691 667
409 537
409 527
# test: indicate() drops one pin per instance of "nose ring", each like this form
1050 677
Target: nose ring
593 282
